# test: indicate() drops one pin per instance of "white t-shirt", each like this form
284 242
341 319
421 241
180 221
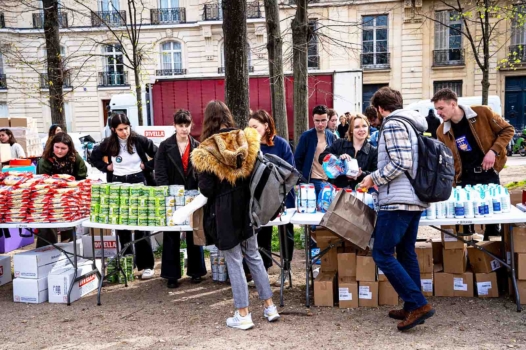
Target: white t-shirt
17 151
126 163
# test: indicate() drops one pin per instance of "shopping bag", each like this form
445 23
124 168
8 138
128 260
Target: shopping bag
196 222
351 219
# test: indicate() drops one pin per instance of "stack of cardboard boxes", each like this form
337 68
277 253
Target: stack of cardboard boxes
519 243
25 130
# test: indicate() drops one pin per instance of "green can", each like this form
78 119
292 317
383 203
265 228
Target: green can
104 199
156 220
114 199
145 191
134 200
143 201
160 191
95 201
114 210
115 189
159 202
136 190
133 220
133 211
124 220
124 190
113 219
104 209
156 211
94 217
124 201
124 211
103 219
142 220
95 209
105 189
143 211
95 190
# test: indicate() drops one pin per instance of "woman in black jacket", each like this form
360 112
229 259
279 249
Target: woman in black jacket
224 162
125 154
354 145
173 167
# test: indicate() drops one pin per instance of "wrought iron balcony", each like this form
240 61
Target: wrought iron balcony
109 79
221 70
44 80
517 52
375 60
3 82
212 12
38 20
2 20
254 10
172 15
449 57
169 72
293 2
313 62
108 18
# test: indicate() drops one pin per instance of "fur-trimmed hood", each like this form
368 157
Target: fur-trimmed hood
229 155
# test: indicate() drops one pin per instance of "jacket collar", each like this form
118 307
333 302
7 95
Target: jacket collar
468 112
175 156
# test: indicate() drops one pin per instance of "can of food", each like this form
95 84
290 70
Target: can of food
104 199
114 210
150 202
133 210
103 219
124 190
213 264
142 220
111 275
143 201
114 199
115 189
105 189
124 201
124 211
159 202
143 211
123 219
104 209
95 200
136 190
169 201
145 191
94 217
159 191
176 190
169 211
169 221
95 189
113 219
154 221
156 211
134 200
181 262
95 208
133 220
179 200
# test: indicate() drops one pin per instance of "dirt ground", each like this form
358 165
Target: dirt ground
147 315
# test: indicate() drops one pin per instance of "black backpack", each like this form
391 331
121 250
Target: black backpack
436 167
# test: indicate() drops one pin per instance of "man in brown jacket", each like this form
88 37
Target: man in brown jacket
478 137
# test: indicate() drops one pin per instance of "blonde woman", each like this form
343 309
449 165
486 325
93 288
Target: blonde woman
354 145
343 127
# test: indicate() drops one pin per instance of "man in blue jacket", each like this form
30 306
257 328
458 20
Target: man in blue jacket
312 143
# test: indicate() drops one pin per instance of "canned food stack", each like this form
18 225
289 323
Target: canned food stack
179 197
219 268
114 276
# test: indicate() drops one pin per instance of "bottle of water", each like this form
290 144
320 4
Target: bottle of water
311 199
459 204
496 199
468 205
441 210
478 207
488 205
450 205
431 211
506 201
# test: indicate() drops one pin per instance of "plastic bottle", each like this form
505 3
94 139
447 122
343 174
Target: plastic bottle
468 205
496 200
332 166
303 200
311 199
441 210
325 198
478 207
431 211
459 204
505 200
450 205
488 205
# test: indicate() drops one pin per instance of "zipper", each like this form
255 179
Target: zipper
493 120
458 155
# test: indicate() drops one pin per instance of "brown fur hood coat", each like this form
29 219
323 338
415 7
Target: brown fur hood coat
228 155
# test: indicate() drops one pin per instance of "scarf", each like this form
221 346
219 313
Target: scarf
62 165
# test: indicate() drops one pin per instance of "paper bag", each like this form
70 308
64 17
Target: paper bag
196 222
351 219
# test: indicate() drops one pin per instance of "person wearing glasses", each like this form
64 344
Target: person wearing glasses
312 143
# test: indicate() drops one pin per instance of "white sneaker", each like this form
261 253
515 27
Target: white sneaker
147 274
271 313
278 281
240 322
251 284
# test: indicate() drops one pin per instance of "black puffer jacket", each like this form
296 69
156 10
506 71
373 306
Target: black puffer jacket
367 158
224 164
169 165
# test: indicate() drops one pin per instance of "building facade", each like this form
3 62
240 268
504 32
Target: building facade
399 43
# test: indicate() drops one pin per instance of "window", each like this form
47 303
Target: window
171 58
4 111
313 57
67 116
448 39
113 65
108 5
169 4
455 85
518 34
1 63
375 42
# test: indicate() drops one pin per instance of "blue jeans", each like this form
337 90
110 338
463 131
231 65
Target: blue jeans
398 230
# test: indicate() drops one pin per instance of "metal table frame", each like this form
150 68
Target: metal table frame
56 225
515 216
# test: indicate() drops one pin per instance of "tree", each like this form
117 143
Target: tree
300 36
275 63
481 23
236 64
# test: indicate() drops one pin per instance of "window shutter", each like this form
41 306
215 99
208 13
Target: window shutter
441 37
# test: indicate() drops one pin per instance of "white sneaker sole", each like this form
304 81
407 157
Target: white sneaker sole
243 326
148 277
273 317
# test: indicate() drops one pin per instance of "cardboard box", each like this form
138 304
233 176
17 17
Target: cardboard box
519 239
325 289
5 269
39 262
368 294
329 261
98 231
346 265
436 244
424 253
4 123
521 286
365 269
387 294
448 241
453 285
521 266
381 276
110 246
5 152
426 282
486 284
481 262
455 260
20 122
347 292
33 291
59 281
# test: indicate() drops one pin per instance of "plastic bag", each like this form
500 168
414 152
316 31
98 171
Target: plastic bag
332 166
351 167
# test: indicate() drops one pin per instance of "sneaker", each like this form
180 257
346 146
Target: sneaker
416 317
252 284
271 313
240 322
147 274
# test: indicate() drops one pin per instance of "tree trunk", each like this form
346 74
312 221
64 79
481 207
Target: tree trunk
236 65
300 30
275 63
54 62
486 42
138 93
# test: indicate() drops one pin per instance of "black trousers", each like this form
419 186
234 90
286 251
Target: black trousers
50 234
171 268
264 238
144 258
469 177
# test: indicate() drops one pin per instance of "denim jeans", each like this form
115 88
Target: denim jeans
398 230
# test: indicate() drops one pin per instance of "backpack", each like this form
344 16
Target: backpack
271 181
436 168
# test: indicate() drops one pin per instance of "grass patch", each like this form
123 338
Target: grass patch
515 184
298 233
